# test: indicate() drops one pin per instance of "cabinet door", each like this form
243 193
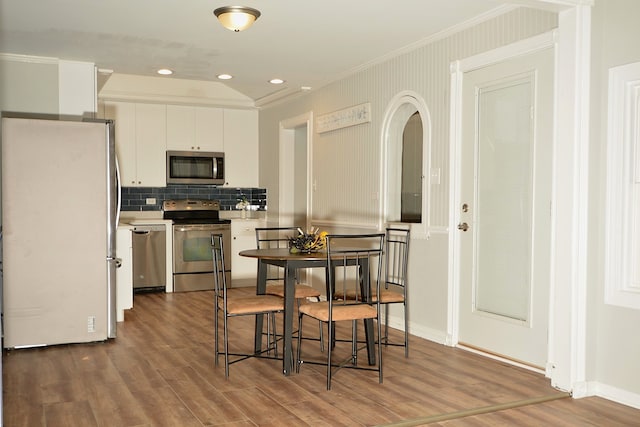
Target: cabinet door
209 135
243 236
241 148
124 274
124 116
180 127
151 145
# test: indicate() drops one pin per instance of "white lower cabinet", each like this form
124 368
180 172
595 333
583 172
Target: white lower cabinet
243 236
124 274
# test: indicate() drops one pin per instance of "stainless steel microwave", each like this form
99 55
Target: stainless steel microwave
195 167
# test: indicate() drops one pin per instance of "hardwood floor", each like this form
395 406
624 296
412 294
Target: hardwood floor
160 372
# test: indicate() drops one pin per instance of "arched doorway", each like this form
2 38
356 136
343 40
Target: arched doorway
405 179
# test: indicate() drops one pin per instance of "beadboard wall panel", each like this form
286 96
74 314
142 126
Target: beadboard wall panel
346 161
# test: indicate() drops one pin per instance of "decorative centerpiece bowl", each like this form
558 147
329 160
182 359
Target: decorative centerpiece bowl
311 241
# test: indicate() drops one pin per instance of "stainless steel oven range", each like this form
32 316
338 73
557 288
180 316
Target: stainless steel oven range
193 223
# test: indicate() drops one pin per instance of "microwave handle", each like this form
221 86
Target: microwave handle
215 166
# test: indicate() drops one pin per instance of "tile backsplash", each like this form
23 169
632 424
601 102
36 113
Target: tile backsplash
135 198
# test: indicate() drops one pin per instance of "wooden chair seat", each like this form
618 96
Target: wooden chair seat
387 296
252 305
320 311
302 291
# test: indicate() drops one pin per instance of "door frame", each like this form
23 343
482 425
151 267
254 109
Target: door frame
521 337
286 177
567 320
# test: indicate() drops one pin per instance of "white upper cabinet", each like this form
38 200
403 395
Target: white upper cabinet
144 132
209 125
151 145
194 128
140 142
180 127
124 116
241 148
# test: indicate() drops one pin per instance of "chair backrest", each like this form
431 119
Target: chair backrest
219 278
275 237
347 254
396 257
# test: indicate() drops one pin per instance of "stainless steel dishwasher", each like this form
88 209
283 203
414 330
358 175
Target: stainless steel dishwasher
149 257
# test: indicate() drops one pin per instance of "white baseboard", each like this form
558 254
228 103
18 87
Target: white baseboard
419 331
608 392
584 389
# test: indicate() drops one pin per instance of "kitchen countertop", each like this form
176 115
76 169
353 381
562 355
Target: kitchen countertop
147 221
156 217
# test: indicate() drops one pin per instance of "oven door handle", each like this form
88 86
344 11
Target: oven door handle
202 227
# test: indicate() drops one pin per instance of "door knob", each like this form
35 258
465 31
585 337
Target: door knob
463 226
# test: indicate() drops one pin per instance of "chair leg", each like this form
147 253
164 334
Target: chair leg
268 334
321 332
354 342
379 331
406 330
299 349
226 347
386 324
330 333
215 333
275 335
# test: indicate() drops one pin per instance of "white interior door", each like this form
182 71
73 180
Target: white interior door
507 136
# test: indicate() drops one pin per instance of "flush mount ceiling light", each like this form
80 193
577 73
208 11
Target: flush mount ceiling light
225 76
276 81
236 18
165 72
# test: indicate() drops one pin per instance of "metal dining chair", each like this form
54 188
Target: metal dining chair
278 237
353 262
233 306
396 260
395 283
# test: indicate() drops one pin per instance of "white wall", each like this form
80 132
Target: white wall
613 344
351 155
28 84
346 161
77 89
40 85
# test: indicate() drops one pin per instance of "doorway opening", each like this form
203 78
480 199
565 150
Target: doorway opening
295 171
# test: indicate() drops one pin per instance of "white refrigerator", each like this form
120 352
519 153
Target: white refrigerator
59 218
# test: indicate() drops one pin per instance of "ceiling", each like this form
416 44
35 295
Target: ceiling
306 43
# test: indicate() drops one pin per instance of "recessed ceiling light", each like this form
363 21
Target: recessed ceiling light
165 71
225 76
276 81
305 87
